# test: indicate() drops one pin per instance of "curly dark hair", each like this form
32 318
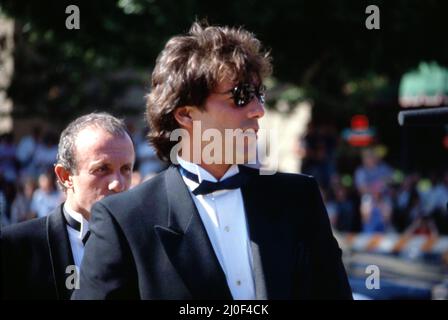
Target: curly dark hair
191 66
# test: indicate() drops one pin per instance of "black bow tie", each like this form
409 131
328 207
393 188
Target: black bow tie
205 187
76 225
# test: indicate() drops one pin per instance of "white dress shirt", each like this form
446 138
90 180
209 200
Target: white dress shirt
76 236
224 218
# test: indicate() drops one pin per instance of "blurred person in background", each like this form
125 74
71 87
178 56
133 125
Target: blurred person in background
95 159
21 206
407 202
149 162
8 162
318 152
45 153
376 212
373 175
26 149
436 202
7 195
347 215
4 216
47 196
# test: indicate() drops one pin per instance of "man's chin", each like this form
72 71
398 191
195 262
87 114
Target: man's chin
246 157
101 197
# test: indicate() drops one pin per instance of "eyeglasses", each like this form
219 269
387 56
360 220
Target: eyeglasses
244 93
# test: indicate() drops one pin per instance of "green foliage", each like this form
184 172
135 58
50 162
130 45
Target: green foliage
322 47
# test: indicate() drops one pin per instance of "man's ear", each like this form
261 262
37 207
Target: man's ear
63 176
183 116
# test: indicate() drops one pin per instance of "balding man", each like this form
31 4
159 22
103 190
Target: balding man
40 257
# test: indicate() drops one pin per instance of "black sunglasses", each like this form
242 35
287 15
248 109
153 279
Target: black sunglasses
244 93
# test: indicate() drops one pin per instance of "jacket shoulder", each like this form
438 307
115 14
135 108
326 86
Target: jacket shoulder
280 178
30 230
22 244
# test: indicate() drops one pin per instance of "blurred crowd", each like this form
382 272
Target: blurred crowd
28 186
374 197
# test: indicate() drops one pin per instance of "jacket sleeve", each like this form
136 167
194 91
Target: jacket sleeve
330 277
107 269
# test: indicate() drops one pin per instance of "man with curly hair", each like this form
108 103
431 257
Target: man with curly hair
211 228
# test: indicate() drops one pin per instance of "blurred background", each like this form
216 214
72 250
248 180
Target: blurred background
333 102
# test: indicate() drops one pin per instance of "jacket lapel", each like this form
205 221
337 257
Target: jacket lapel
260 282
274 246
60 251
186 242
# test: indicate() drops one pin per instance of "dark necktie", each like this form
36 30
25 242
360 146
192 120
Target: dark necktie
206 187
76 225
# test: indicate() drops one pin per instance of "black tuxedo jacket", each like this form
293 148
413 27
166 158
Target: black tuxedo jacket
150 243
35 255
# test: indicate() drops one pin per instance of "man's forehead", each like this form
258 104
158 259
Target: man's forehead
105 152
227 83
241 75
91 128
92 132
96 138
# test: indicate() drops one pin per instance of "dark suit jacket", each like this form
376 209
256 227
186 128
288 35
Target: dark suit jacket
150 243
35 255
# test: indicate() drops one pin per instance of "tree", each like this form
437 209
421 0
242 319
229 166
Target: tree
321 46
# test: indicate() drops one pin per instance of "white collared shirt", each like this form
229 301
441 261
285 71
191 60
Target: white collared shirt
76 236
224 218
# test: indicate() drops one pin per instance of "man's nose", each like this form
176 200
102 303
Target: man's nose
117 184
256 109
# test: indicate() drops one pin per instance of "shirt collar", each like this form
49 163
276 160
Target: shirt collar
78 217
204 174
